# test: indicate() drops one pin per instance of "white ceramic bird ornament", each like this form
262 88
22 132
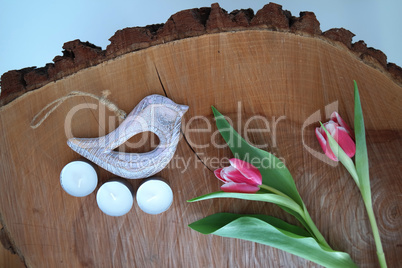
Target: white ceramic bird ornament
154 113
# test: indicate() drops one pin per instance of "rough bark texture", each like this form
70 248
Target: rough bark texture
272 16
340 35
79 55
306 23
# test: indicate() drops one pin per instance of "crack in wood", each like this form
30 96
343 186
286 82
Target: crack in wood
160 81
8 243
181 130
192 149
5 241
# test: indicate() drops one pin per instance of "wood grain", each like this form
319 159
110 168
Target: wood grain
279 76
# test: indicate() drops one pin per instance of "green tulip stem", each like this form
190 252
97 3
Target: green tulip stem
320 238
302 211
273 190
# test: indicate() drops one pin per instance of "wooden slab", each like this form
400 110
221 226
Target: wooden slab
279 76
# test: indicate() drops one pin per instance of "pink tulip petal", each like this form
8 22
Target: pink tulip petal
233 187
338 119
346 142
230 174
248 170
331 127
218 175
321 137
323 141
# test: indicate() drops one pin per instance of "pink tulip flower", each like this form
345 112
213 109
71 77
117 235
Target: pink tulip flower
239 177
341 133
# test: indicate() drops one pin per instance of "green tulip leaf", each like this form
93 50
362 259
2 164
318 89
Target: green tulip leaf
286 204
259 196
362 167
273 232
361 157
274 172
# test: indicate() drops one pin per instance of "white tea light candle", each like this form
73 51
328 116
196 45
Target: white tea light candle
78 178
115 198
154 196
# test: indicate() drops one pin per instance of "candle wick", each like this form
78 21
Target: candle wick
112 195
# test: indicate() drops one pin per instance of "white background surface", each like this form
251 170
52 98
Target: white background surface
32 33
